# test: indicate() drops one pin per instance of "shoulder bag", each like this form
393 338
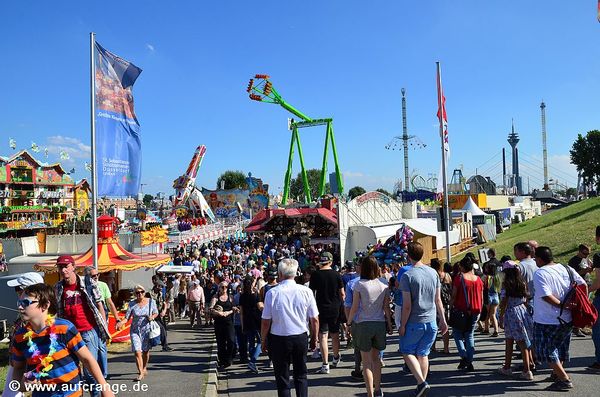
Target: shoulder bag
462 320
154 328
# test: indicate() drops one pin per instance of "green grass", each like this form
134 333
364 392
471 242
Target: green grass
3 364
562 230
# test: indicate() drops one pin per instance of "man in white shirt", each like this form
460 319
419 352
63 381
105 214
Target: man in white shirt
552 330
284 330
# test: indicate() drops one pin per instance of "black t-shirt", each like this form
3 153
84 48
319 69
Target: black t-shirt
575 263
327 284
224 307
249 305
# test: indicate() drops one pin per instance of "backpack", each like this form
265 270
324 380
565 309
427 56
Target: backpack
446 293
583 312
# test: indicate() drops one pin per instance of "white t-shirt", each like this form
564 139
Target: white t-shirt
289 307
552 280
196 265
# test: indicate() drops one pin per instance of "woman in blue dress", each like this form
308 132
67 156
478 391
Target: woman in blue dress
142 310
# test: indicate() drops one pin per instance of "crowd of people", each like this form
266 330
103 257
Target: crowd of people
285 301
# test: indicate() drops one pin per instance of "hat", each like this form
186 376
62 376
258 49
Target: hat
326 257
237 277
350 265
475 266
25 280
65 260
508 265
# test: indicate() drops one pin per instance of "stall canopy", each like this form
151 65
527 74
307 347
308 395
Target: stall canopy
471 207
111 255
321 221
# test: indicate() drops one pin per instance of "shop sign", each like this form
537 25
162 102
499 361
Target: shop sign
50 194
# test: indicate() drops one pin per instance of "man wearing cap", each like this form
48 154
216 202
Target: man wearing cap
80 302
19 284
162 305
329 294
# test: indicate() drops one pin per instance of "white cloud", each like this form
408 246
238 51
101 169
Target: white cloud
150 47
75 147
351 174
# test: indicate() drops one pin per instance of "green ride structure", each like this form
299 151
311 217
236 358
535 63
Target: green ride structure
261 89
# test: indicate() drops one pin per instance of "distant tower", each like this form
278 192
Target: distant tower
405 141
545 150
513 139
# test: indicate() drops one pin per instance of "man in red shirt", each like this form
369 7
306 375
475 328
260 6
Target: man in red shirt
80 302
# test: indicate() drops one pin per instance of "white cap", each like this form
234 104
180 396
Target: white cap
25 280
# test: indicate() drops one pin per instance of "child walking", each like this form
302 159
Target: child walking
47 350
517 322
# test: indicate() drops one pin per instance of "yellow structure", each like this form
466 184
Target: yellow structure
457 201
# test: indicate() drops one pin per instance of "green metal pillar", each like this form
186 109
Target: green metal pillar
324 168
338 173
307 196
288 174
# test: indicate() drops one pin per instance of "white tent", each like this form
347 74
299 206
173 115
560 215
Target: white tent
471 207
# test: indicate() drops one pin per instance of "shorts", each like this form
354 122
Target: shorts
418 338
369 335
552 342
329 324
342 319
494 299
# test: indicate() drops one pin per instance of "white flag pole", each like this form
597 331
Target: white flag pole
445 208
93 132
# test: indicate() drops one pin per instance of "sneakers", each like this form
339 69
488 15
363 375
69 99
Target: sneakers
462 364
526 375
336 361
551 378
382 363
422 389
356 375
505 371
252 367
577 332
469 367
324 369
560 385
167 349
316 354
269 364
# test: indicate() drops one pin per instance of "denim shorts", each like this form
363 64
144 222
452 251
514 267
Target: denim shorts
494 299
418 338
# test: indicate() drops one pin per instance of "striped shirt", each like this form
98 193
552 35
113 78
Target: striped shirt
65 364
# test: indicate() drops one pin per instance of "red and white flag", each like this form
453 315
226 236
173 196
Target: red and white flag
443 119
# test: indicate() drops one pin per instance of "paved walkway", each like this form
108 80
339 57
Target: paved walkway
181 372
445 379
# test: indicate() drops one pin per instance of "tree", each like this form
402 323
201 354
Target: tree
233 180
356 191
147 200
314 179
382 190
584 155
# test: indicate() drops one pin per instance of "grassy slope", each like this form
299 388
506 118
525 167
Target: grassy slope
562 230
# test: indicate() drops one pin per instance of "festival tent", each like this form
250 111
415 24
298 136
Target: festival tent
471 207
111 255
279 220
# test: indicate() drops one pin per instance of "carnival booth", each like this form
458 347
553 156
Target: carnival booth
112 259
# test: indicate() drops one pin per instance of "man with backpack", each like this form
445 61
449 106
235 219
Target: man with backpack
553 320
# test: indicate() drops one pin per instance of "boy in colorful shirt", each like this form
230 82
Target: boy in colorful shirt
47 350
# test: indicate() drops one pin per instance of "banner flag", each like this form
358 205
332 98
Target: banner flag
443 119
118 146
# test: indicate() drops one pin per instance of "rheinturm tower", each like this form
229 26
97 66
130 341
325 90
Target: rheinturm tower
515 179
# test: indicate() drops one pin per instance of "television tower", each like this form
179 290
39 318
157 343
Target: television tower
405 140
545 150
513 140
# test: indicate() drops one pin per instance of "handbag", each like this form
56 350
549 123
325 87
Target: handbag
154 328
462 320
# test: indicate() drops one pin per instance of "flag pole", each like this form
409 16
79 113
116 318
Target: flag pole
93 147
445 208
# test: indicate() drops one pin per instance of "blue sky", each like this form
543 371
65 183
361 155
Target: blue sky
342 59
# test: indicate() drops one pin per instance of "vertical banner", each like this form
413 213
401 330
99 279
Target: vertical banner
118 147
